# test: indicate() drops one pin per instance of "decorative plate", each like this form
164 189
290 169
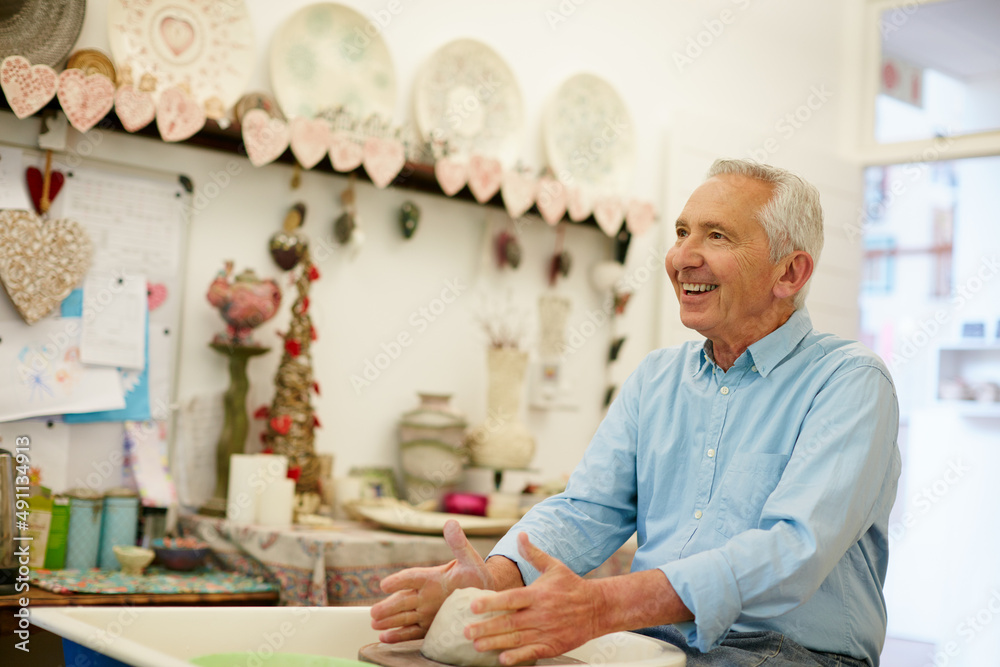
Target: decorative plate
408 520
589 136
205 45
466 94
323 57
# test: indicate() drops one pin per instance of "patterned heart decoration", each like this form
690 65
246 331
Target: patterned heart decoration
551 199
156 294
310 139
451 175
384 159
178 116
266 138
27 88
41 261
281 424
485 175
518 191
85 99
36 182
578 205
345 153
135 108
640 216
609 213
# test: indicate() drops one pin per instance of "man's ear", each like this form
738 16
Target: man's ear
798 267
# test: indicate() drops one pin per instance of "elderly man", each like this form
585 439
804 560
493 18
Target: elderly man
758 470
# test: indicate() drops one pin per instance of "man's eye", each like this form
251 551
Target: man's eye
716 235
681 233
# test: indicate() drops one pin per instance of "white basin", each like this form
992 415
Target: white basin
170 636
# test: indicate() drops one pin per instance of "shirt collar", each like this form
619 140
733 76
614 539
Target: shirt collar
768 352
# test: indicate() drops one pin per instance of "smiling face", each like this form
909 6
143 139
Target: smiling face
720 265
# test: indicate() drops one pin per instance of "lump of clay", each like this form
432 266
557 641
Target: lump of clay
445 640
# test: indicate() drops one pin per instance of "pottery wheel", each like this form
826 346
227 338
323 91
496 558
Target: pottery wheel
407 654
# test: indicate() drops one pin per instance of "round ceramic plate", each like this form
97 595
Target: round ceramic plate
589 137
205 45
324 57
465 94
408 520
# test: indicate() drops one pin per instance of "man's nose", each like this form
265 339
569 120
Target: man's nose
686 254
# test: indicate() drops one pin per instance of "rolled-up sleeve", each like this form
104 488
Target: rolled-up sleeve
843 466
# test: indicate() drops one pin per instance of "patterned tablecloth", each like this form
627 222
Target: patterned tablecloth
342 565
154 580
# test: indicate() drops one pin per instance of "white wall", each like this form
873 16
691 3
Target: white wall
756 63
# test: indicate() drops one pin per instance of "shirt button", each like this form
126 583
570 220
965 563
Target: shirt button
711 453
753 368
724 391
697 514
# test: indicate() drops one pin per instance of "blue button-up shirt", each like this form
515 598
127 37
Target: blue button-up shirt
762 492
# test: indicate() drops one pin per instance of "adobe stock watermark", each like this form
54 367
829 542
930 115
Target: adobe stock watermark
697 44
792 122
927 497
891 21
562 12
967 629
465 113
912 171
927 329
420 319
360 39
205 195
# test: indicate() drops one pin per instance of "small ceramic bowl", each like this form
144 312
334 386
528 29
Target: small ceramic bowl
183 554
133 559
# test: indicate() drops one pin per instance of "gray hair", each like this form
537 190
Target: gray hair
792 218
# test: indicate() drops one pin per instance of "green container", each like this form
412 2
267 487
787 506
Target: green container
55 550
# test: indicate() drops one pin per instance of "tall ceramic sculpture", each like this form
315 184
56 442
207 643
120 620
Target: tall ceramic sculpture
245 302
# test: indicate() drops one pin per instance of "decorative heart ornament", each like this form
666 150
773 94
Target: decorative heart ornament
640 216
27 88
177 34
578 205
310 140
85 99
485 175
609 213
345 153
135 108
451 175
518 191
551 199
266 138
156 294
41 261
384 159
36 182
178 116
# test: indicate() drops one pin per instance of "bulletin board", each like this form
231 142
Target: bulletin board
137 221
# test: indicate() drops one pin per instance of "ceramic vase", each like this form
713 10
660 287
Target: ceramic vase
431 448
503 441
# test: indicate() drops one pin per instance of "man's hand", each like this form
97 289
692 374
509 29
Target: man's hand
417 593
557 613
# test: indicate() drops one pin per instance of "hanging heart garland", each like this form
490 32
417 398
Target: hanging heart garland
135 108
178 116
451 175
265 138
609 213
345 153
551 199
518 192
27 88
640 216
578 205
41 261
85 99
485 175
384 159
310 139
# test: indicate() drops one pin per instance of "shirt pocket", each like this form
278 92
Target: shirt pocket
748 482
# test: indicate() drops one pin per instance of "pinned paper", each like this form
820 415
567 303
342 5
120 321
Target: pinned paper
114 330
13 193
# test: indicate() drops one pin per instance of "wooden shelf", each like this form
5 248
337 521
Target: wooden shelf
415 176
